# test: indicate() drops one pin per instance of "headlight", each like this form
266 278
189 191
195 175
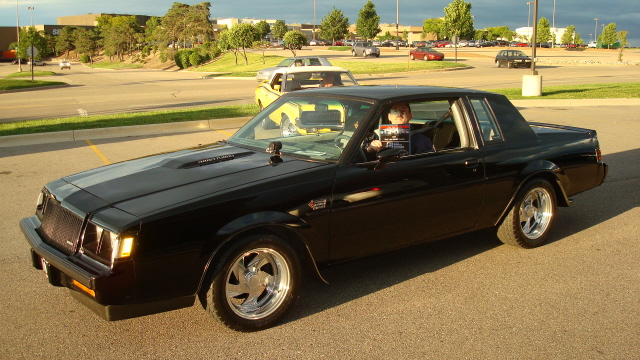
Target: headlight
107 246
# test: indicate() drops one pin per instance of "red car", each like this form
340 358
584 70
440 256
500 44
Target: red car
442 43
425 53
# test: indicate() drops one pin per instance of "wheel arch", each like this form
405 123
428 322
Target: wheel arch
543 169
275 223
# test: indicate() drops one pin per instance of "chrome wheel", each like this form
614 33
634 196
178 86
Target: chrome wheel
536 212
287 128
530 220
257 283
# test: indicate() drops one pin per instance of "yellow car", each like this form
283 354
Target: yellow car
293 79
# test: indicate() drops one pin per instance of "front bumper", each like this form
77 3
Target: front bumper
108 293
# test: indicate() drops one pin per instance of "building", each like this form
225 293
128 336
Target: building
526 33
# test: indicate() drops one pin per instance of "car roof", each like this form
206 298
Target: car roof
391 92
307 57
307 69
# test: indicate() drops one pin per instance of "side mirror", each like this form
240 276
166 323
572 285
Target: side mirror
277 87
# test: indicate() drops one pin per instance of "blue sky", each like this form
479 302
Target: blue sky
488 13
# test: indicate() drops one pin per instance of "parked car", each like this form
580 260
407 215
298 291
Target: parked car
364 48
265 74
338 43
425 53
289 79
592 44
349 42
36 63
443 43
512 58
233 224
65 64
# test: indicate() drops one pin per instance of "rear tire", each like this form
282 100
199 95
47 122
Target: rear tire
256 285
529 222
354 53
498 63
411 56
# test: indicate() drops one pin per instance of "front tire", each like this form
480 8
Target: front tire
256 285
529 222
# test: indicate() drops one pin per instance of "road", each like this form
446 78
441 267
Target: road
468 297
98 91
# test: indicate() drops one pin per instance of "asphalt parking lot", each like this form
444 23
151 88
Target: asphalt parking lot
466 297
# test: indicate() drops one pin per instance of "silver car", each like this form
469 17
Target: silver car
365 49
265 74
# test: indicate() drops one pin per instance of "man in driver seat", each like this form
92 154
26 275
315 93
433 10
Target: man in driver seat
400 113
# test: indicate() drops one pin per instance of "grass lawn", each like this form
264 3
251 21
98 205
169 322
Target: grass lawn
586 91
226 65
114 65
11 84
126 119
28 74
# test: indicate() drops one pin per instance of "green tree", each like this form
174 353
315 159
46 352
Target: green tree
294 40
86 42
279 29
567 36
65 41
262 29
32 37
334 26
458 20
405 35
622 37
226 43
262 46
173 23
152 32
243 36
197 26
543 34
494 33
368 22
608 36
387 36
432 26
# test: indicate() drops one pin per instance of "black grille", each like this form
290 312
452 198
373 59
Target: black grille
60 227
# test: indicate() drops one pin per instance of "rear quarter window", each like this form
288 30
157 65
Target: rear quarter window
487 123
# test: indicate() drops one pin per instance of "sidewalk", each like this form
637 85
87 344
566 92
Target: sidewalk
234 123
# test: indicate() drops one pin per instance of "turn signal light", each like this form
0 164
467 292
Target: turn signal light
84 288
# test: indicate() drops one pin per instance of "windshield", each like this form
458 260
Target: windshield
314 79
285 62
307 127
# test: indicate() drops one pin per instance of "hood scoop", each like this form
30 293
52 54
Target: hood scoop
180 164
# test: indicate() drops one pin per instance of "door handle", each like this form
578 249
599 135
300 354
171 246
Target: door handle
472 163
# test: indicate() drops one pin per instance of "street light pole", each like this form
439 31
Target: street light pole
314 20
397 20
18 36
30 8
528 23
553 24
595 33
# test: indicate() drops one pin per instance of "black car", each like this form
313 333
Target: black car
512 58
234 224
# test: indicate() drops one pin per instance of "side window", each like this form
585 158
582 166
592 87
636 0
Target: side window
314 62
488 126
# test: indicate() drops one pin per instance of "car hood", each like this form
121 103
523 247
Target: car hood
180 176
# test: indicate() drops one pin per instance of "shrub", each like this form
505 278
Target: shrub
84 58
184 58
195 59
